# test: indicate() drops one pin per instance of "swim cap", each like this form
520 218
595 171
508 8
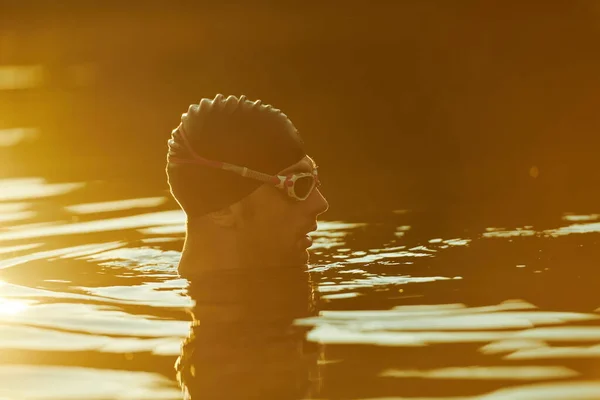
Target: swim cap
236 131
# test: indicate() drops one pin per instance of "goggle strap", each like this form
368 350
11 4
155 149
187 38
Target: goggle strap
277 180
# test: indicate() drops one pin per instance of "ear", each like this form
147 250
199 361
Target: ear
225 217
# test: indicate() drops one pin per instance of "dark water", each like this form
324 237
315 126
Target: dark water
398 305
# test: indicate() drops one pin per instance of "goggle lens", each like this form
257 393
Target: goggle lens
303 186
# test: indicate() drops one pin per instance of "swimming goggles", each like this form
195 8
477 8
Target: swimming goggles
298 186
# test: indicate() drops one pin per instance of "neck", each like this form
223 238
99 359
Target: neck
209 248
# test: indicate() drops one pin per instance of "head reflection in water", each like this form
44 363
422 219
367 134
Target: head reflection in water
250 192
251 195
242 343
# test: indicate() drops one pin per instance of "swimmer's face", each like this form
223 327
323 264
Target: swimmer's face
273 226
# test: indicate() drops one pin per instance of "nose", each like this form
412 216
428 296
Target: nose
317 202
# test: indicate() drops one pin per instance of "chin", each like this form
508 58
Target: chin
305 257
299 257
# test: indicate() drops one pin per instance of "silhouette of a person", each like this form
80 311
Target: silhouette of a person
251 195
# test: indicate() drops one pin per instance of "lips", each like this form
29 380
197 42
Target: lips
305 241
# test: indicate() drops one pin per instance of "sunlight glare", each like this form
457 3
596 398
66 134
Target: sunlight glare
11 307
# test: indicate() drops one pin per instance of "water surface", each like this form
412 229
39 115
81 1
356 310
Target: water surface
398 304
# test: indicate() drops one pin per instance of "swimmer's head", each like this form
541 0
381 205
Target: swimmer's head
232 130
251 136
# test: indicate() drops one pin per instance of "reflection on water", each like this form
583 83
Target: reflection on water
11 307
242 343
91 307
14 136
32 188
20 76
580 218
502 373
70 383
102 225
117 205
